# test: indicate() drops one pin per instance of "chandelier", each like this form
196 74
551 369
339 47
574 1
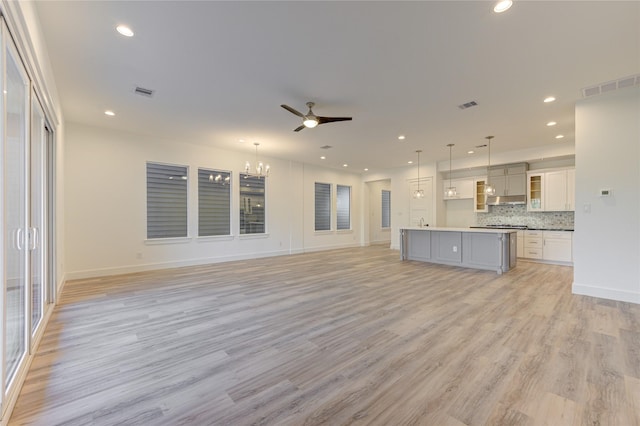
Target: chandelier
261 169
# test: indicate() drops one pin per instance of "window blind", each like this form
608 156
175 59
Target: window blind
343 206
386 208
166 200
322 206
214 202
252 204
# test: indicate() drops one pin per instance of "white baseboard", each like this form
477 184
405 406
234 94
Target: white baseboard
605 293
128 269
331 247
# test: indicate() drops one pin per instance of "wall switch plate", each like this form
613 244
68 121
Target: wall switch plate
455 249
586 208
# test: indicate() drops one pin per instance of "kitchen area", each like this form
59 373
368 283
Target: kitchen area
531 210
536 199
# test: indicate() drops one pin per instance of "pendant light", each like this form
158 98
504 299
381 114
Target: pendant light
261 169
418 193
451 190
488 189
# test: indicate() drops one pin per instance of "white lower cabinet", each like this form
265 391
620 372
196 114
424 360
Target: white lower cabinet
520 250
532 244
557 246
553 246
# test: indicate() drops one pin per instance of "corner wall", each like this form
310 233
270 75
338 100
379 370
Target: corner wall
607 229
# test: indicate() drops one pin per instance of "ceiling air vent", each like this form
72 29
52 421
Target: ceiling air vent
144 92
468 105
610 86
326 147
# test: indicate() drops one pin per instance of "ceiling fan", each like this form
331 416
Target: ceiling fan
311 120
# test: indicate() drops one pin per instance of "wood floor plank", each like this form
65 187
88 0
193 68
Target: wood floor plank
351 336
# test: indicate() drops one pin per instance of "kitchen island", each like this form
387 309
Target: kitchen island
491 249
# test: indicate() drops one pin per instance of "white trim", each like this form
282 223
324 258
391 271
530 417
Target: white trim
213 238
160 241
253 236
605 293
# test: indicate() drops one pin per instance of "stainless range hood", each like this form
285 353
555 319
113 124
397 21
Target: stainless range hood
506 200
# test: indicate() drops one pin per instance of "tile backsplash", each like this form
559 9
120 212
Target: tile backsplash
518 215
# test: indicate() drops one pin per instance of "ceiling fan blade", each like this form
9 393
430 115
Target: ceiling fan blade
299 128
291 110
322 120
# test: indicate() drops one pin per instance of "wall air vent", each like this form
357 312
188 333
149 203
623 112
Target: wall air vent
468 105
610 86
144 92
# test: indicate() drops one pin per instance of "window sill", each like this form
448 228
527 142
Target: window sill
211 238
252 236
161 241
328 232
344 231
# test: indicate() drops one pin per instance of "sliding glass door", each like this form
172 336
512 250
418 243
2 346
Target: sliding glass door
38 231
16 233
26 216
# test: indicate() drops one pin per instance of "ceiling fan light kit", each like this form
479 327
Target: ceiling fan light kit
310 120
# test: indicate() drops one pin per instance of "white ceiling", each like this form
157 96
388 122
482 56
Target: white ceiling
220 71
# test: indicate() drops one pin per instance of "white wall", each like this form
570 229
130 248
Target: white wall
106 205
607 238
459 213
401 179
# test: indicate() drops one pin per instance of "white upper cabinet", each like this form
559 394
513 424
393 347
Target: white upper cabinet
479 196
464 188
552 190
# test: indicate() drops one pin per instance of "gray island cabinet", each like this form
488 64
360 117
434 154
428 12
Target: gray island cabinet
491 249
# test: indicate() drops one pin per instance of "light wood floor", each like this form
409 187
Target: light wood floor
350 336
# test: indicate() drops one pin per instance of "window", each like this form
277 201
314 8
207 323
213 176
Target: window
323 206
386 208
166 201
343 206
214 203
252 204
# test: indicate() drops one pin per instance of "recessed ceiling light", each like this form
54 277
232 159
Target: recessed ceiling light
409 162
401 137
241 140
549 99
470 152
366 170
323 158
109 113
559 136
124 30
551 123
502 6
345 165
